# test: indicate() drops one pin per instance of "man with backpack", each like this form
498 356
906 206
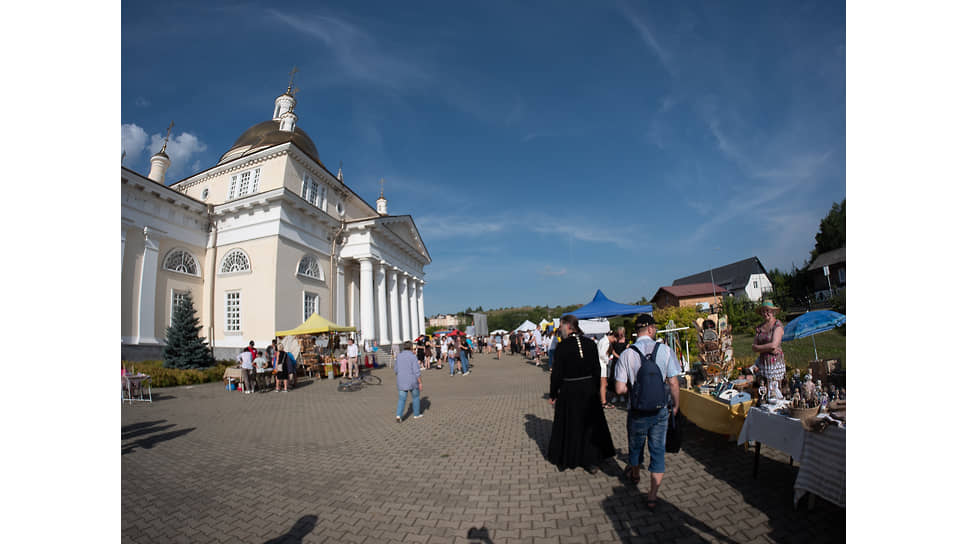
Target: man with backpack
649 372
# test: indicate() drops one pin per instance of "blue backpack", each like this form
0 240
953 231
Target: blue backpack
648 393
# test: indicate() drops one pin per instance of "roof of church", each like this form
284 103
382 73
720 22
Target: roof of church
267 134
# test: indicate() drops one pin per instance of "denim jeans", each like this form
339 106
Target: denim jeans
463 361
451 361
654 428
402 401
551 358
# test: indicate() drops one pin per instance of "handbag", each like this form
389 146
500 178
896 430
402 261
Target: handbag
674 433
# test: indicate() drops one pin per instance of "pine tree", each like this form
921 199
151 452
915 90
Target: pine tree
185 348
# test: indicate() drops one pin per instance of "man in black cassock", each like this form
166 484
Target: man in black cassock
579 435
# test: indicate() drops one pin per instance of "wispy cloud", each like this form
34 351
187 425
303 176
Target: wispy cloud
549 271
648 36
442 227
772 174
361 58
141 102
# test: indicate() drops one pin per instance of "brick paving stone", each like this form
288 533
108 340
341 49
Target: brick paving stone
352 474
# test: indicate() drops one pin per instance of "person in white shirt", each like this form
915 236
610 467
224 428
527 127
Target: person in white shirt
352 357
245 359
604 352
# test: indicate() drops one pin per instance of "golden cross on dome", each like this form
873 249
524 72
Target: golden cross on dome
167 135
292 75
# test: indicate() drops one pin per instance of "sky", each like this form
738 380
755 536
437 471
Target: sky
544 149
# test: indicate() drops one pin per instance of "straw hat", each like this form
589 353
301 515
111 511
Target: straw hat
767 305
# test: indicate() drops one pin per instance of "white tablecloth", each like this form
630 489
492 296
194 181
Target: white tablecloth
775 430
822 456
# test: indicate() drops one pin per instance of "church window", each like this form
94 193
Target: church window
233 311
339 207
179 260
310 304
246 182
176 298
205 193
235 261
311 191
309 266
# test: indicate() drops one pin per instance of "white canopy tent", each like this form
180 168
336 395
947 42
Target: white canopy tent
526 326
594 327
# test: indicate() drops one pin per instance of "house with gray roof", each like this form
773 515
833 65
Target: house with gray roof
836 263
746 278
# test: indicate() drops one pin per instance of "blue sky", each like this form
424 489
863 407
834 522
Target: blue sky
544 149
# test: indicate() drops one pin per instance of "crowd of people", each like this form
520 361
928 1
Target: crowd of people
273 361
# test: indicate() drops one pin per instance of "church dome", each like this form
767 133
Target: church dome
267 134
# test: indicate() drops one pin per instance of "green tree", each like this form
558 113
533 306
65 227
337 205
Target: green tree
185 348
833 230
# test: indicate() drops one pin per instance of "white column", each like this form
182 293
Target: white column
146 301
353 296
416 327
123 231
383 331
420 304
366 299
394 308
340 293
404 309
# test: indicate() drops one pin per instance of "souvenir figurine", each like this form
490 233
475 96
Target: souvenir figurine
808 391
796 399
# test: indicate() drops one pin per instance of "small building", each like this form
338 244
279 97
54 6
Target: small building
688 295
746 278
836 263
440 320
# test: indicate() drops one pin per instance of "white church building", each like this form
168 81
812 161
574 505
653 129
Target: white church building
261 240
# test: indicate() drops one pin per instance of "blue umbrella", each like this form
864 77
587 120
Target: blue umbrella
812 323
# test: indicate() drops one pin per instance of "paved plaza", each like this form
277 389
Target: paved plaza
202 464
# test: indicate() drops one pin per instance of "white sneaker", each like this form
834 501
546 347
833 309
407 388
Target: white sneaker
418 417
399 420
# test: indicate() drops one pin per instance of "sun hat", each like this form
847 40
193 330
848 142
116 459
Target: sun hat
767 305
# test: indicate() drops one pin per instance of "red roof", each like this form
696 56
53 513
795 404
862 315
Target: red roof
692 289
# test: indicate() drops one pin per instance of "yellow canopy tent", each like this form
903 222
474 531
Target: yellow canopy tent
315 325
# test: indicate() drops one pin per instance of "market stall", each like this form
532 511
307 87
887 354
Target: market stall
318 343
713 414
816 438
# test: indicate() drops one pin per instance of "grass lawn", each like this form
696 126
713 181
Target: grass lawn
830 345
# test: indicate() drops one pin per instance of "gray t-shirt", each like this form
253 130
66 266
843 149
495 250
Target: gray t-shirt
629 362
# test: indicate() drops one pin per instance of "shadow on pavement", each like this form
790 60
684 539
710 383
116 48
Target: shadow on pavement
150 428
540 431
633 522
771 492
300 529
479 536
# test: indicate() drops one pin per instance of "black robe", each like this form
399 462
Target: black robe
579 435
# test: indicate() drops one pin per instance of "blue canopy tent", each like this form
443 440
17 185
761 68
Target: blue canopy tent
601 306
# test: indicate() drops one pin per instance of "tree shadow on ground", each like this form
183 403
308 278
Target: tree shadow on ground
626 508
299 530
771 492
150 428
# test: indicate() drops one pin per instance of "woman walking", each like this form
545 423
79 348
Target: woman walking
579 435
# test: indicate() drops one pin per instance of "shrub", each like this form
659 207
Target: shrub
162 376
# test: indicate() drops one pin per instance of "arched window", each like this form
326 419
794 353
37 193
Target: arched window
309 266
235 261
179 260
